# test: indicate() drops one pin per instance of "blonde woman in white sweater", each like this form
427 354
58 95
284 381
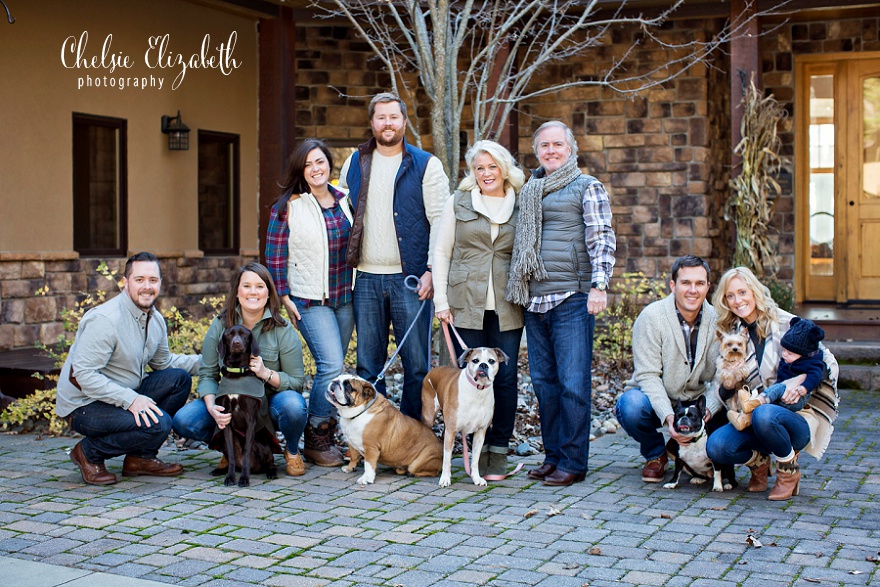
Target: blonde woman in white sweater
306 244
471 264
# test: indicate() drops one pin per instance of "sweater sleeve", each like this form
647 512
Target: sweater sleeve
435 192
209 370
443 245
343 173
648 363
276 248
95 344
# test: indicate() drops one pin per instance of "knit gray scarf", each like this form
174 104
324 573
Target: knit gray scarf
525 262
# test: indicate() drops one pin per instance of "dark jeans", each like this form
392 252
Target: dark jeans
505 387
110 431
560 344
380 300
774 430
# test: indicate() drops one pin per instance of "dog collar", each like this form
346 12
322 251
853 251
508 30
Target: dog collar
239 370
473 382
368 406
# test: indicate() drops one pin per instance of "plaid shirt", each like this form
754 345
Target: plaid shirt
338 232
601 244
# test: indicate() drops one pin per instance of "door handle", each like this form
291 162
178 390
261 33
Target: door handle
852 203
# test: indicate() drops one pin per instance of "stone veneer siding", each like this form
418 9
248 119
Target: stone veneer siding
779 46
27 317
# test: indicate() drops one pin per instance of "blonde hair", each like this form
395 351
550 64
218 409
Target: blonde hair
768 311
512 175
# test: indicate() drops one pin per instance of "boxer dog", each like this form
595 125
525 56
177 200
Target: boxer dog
467 399
688 421
377 430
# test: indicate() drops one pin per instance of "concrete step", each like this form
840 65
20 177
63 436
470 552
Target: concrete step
859 363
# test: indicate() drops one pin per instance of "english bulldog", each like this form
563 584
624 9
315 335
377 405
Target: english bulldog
688 421
467 399
377 430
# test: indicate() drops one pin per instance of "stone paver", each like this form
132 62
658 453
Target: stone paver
322 529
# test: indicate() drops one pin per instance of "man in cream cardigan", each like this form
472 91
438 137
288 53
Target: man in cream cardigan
674 354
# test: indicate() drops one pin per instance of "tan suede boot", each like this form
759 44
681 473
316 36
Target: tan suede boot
759 465
295 465
788 480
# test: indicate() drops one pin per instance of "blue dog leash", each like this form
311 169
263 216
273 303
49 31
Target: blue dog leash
413 284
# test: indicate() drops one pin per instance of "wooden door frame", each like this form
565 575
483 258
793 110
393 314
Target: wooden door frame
806 65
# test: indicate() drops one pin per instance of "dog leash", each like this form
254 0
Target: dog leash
413 284
464 445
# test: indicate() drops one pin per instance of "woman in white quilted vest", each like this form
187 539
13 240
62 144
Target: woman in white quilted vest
471 265
306 244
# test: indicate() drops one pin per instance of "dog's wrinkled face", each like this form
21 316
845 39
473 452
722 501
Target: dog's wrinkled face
734 346
688 418
482 363
236 346
349 391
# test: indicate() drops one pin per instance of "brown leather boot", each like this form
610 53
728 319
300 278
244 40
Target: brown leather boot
788 480
320 446
759 465
92 473
295 465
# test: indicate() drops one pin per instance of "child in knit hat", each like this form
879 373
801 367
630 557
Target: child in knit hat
801 359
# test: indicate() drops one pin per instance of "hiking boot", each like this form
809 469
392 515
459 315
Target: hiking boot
320 446
295 465
655 470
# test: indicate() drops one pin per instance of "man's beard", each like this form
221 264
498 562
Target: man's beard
398 138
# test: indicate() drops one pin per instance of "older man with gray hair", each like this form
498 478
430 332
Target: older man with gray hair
563 257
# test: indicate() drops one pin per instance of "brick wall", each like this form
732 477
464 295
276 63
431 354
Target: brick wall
26 316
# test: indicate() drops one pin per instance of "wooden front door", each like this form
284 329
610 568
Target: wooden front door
838 178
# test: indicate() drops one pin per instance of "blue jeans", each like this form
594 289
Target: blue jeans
774 430
286 408
774 395
560 344
327 331
110 431
380 300
638 418
505 388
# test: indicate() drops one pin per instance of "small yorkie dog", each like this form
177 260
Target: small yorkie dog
732 373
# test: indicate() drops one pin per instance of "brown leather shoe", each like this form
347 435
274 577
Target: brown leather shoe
92 473
562 479
320 447
295 465
655 470
134 466
541 472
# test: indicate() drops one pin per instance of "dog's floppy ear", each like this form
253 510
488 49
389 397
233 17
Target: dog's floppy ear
502 356
255 347
463 358
367 389
223 347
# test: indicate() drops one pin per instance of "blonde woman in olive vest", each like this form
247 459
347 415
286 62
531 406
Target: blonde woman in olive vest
471 264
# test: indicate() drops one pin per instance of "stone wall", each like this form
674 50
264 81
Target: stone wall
35 289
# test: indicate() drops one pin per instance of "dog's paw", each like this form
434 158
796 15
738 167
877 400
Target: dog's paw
670 485
347 469
229 481
366 479
718 488
479 481
445 480
697 481
244 482
727 486
272 474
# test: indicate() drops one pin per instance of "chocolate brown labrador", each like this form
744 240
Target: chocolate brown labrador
247 446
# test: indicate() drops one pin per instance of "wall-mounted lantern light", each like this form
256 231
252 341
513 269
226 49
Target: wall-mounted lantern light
178 133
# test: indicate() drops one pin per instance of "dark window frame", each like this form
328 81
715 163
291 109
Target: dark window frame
80 119
234 140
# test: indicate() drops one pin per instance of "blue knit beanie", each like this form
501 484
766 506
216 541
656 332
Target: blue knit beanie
802 337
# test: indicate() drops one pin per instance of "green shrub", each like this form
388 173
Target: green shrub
781 292
628 295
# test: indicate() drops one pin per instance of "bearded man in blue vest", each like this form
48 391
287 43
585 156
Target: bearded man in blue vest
562 259
397 192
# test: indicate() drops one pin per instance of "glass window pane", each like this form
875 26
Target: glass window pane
821 137
871 126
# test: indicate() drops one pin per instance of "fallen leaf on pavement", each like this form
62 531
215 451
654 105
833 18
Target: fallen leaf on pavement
752 541
666 516
530 513
873 559
808 580
553 511
595 550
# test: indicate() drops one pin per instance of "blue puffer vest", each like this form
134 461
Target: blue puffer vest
410 221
